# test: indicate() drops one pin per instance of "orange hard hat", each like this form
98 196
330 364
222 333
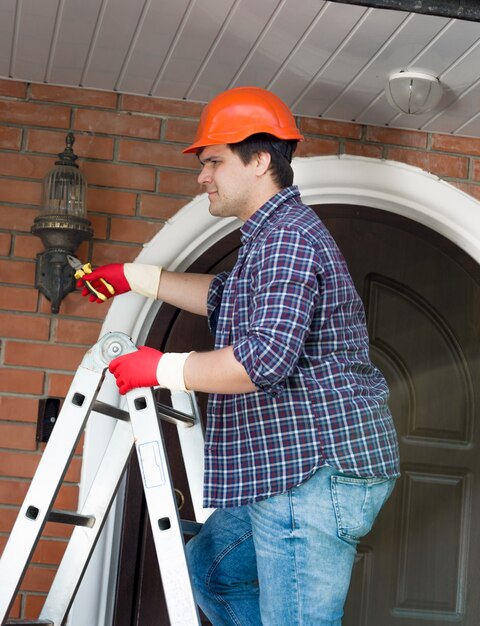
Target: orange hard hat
238 113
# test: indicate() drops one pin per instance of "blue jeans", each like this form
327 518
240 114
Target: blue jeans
286 560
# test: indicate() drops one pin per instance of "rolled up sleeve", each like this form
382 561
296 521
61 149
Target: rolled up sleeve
285 290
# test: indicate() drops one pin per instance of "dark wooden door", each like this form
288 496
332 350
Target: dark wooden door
418 567
422 295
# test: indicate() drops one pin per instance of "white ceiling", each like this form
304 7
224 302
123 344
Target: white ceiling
325 59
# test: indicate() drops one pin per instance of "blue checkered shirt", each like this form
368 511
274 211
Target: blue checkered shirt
296 323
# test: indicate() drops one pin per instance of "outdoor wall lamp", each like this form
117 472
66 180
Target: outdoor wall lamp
413 92
62 225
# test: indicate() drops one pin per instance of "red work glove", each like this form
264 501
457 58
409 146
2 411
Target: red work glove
113 274
136 369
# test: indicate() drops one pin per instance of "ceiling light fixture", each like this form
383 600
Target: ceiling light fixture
413 92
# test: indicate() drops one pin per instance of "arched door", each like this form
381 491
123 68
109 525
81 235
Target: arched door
422 294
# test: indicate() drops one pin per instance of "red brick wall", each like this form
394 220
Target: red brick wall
130 152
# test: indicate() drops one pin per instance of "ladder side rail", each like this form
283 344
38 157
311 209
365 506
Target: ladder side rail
162 508
192 442
84 539
46 483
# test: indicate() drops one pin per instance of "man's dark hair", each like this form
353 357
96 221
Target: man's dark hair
280 150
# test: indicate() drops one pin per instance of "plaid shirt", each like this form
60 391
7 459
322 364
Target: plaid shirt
297 325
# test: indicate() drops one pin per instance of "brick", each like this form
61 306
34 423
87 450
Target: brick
42 114
133 230
8 516
120 176
159 206
18 299
44 355
74 469
78 332
315 147
439 164
117 123
24 165
85 146
17 272
10 138
21 381
461 145
67 498
163 154
315 126
476 170
58 385
179 182
100 226
20 192
362 149
17 436
16 465
397 136
33 604
5 244
74 95
18 409
37 578
48 552
18 219
13 491
23 326
114 253
57 530
159 106
179 130
110 201
12 88
470 188
27 246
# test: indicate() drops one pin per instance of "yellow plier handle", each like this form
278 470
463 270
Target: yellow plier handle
87 269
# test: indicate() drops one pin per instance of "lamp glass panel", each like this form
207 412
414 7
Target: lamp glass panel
64 192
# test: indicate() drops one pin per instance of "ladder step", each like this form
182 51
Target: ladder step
70 517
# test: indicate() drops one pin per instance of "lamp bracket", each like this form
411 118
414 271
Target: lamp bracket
54 277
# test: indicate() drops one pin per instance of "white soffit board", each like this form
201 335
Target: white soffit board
326 59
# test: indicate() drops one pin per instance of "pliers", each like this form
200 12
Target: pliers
81 269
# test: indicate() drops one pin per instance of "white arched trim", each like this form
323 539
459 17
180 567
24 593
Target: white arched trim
386 185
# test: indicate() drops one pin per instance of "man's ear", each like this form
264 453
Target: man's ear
263 160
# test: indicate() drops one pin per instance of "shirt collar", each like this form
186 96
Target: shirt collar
255 223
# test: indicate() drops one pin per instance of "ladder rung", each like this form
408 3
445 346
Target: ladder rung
69 517
168 414
111 411
165 412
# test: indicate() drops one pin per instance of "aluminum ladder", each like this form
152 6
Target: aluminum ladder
136 427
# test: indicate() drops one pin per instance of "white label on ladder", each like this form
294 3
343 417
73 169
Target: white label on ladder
151 464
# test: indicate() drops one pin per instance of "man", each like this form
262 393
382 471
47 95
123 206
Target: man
300 450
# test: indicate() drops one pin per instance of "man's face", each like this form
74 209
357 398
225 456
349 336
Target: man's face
230 183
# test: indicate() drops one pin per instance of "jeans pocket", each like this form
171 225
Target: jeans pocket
357 502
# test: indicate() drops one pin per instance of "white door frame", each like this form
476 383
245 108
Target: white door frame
386 185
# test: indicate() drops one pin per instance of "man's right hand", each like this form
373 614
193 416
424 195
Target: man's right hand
113 273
